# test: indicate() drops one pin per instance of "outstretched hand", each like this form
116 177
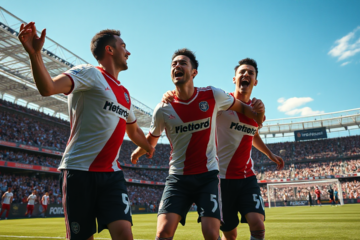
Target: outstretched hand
29 38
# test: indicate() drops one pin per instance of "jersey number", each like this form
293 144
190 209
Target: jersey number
258 201
213 199
125 199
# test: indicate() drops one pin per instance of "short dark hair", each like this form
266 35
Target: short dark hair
100 40
248 61
191 55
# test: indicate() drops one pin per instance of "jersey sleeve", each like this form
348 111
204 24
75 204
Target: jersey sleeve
223 100
157 123
131 118
82 77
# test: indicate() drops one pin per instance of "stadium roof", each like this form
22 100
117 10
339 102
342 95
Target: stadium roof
336 121
15 71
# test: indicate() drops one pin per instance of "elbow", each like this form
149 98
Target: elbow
45 93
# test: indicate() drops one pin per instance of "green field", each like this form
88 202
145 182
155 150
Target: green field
281 223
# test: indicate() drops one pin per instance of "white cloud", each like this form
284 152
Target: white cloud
292 103
290 106
344 48
305 111
345 63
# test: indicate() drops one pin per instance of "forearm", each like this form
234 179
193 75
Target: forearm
260 145
42 78
244 109
139 139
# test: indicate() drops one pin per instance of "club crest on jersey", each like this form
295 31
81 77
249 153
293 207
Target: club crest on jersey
204 106
126 97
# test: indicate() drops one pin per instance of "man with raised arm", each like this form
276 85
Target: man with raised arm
190 122
7 198
100 112
236 134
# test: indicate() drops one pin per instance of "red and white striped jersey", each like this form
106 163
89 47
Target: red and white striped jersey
32 199
8 196
190 128
99 109
235 133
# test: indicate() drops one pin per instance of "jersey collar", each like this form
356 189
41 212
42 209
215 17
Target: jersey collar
103 71
189 100
248 103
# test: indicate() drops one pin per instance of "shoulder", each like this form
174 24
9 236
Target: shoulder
81 68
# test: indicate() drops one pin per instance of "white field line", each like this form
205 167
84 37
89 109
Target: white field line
10 236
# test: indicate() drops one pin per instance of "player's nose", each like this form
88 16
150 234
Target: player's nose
128 53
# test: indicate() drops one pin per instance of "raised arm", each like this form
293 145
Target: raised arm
33 45
138 152
137 136
260 145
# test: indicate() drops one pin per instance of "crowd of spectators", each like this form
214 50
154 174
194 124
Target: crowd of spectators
311 169
7 154
31 112
350 190
19 128
145 195
146 174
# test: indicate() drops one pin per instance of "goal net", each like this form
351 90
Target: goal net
297 193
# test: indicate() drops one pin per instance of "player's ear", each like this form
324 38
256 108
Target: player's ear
234 80
109 50
256 82
194 73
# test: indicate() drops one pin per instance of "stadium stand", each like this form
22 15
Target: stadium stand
32 138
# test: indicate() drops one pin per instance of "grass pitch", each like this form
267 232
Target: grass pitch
281 223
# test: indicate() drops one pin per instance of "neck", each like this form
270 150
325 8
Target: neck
110 68
185 91
244 97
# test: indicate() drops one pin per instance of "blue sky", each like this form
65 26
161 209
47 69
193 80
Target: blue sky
308 52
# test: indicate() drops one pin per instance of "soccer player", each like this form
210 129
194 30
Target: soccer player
318 195
331 193
100 112
190 122
44 202
7 198
336 197
31 202
236 134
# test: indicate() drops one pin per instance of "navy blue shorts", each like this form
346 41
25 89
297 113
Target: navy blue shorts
240 195
181 191
91 196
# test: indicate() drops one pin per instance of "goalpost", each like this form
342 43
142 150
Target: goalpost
296 193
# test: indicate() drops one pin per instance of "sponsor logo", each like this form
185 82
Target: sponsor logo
107 89
75 71
243 128
172 117
116 108
195 126
204 106
75 227
127 97
56 210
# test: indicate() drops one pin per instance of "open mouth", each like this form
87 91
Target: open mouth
244 83
179 74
